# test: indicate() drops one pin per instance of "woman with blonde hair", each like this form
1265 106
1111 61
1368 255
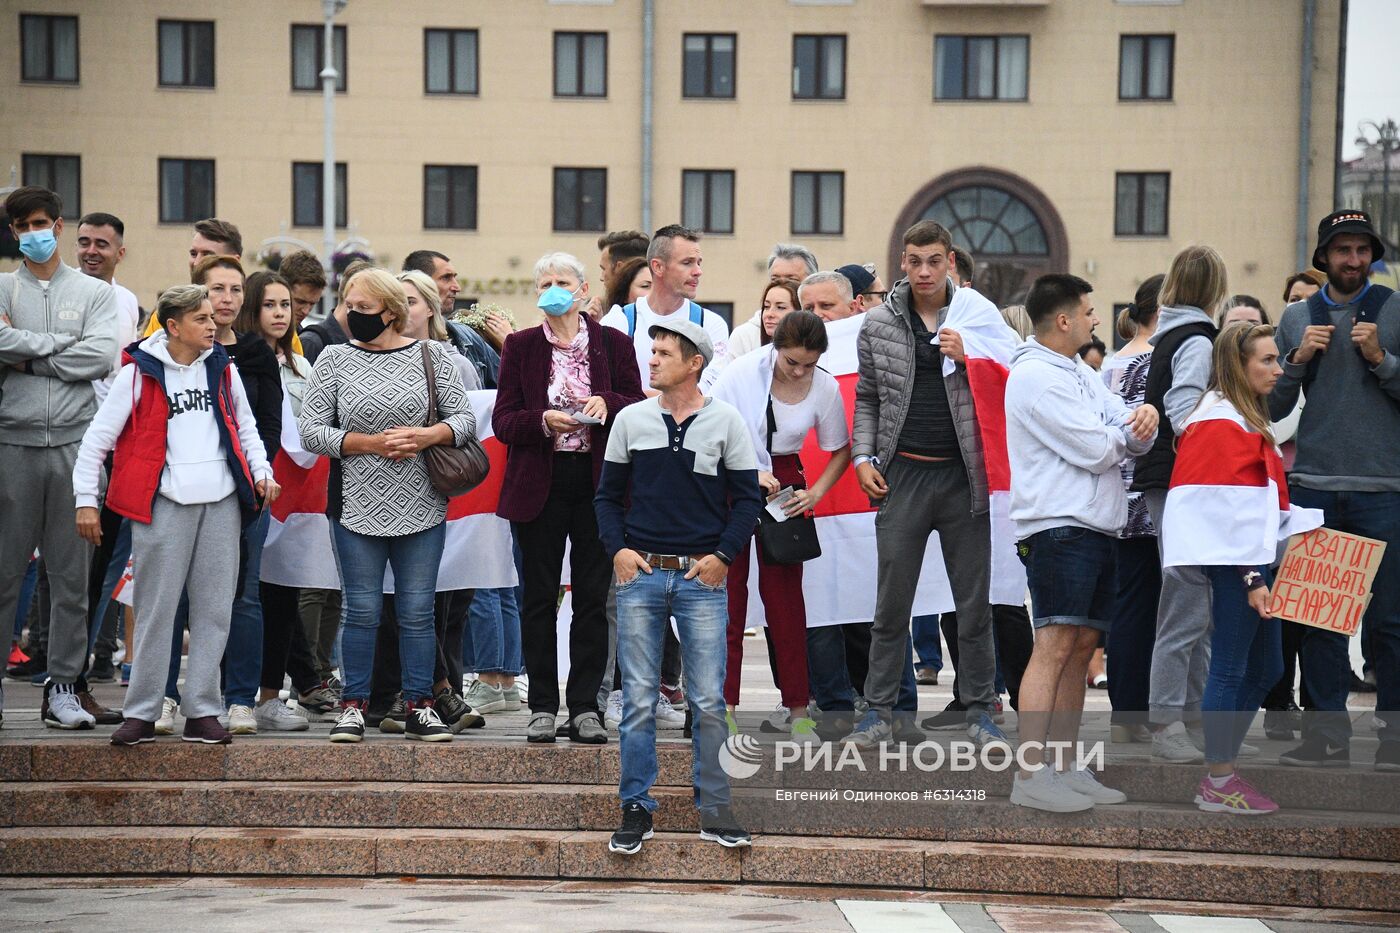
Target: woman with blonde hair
1195 288
425 322
1226 515
366 406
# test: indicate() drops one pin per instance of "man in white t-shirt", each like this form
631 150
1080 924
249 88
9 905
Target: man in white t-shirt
100 249
674 256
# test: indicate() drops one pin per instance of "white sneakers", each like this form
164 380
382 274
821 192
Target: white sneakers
165 725
276 716
667 716
1082 781
1173 744
1047 790
612 715
66 710
241 720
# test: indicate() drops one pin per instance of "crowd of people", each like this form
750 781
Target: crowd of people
1149 493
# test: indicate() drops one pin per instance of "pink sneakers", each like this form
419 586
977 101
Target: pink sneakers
1237 796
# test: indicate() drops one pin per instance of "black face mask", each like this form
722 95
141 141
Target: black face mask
366 327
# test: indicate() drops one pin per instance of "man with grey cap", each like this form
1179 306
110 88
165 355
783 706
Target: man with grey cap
677 500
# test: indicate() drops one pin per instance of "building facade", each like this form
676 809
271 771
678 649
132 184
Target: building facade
1091 136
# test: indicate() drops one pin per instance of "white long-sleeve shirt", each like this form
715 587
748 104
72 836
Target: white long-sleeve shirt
196 465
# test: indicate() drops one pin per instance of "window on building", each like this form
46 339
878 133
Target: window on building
308 209
309 57
989 222
981 67
707 200
709 64
61 174
1145 67
186 53
48 48
580 199
186 190
1141 204
817 202
725 309
819 67
449 197
580 64
450 63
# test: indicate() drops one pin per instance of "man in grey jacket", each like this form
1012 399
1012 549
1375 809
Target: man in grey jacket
58 332
1343 346
918 455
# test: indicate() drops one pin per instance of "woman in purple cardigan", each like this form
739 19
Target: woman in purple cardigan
561 384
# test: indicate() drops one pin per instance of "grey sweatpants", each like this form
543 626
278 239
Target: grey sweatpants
923 499
185 547
37 509
1181 654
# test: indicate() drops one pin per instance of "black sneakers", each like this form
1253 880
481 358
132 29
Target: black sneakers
455 713
350 727
723 828
635 829
1317 752
393 721
424 725
954 716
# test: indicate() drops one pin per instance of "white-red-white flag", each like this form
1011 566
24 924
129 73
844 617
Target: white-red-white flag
1228 500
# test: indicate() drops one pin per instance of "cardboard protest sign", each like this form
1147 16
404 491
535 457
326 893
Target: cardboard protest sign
1325 580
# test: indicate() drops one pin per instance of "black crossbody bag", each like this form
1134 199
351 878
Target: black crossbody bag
793 541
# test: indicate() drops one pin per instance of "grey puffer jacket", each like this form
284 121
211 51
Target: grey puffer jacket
885 350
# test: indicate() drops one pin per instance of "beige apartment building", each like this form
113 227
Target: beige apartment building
1090 136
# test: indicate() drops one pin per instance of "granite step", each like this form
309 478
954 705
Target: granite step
289 762
565 807
539 854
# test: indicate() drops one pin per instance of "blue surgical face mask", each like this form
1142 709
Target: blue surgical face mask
557 300
38 245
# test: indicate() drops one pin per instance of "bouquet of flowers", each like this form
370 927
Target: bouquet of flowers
475 316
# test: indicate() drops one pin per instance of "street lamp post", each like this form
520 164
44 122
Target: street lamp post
1387 141
328 81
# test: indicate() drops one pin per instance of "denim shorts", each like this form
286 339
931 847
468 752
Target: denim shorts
1072 576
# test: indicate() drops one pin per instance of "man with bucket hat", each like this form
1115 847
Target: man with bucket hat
1342 346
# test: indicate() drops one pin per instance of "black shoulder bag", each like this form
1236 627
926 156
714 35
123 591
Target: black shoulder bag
453 471
789 542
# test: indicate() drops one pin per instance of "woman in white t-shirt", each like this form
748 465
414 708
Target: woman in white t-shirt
784 378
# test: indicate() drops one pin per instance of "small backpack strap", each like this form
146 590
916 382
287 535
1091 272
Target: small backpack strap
630 313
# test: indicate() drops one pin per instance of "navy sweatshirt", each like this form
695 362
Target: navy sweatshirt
693 487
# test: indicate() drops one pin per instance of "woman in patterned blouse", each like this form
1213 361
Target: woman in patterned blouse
568 368
366 406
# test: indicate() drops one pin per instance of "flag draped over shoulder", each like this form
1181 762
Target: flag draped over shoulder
839 586
1228 500
988 344
478 552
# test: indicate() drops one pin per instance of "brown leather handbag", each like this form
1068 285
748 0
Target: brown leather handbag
453 471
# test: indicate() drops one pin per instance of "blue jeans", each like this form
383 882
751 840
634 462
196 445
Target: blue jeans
415 559
491 639
645 605
1324 655
1071 573
926 643
243 654
26 596
1246 660
121 552
830 683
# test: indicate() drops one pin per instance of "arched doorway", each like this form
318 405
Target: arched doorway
1008 225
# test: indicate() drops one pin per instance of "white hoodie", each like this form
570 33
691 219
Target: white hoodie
1065 436
196 466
